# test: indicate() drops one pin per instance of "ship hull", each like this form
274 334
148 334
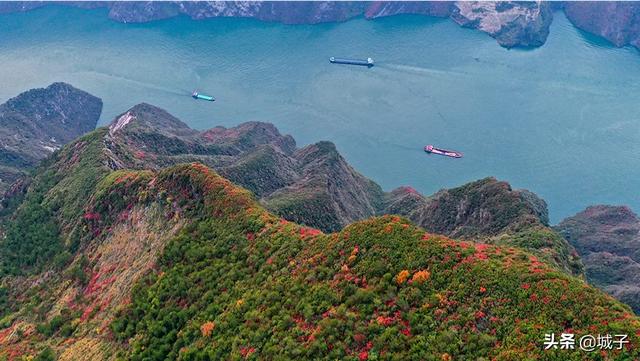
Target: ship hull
367 63
203 97
443 152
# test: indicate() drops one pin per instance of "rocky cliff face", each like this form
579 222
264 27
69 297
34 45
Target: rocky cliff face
608 240
511 23
483 208
616 21
39 121
523 24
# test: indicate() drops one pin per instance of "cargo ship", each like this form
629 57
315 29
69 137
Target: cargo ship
368 62
196 95
447 153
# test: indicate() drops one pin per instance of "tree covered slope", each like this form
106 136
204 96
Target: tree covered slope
314 185
179 263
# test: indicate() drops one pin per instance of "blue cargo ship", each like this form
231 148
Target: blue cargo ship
197 95
368 62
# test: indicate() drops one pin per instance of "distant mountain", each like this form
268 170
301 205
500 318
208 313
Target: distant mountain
608 240
39 121
482 208
179 263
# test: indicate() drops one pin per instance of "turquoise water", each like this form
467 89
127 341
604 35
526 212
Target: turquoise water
562 120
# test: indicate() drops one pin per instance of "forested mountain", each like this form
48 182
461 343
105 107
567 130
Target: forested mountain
103 261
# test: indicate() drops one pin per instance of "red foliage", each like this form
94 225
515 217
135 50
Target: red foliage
123 216
410 189
247 351
309 232
385 321
91 216
87 311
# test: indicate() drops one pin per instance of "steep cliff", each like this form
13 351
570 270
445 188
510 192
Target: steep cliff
616 21
512 23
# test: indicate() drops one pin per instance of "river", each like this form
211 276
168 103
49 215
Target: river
562 120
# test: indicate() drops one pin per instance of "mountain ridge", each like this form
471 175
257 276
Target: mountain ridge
314 185
156 235
126 244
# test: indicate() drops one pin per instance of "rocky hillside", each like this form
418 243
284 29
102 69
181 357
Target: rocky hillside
39 121
488 211
312 185
522 24
616 21
179 263
486 207
608 240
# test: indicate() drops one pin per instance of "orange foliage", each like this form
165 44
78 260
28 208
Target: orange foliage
421 276
402 277
207 328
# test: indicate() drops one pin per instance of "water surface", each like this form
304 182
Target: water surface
562 120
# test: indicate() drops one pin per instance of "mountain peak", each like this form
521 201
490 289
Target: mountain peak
248 135
150 118
40 121
59 111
